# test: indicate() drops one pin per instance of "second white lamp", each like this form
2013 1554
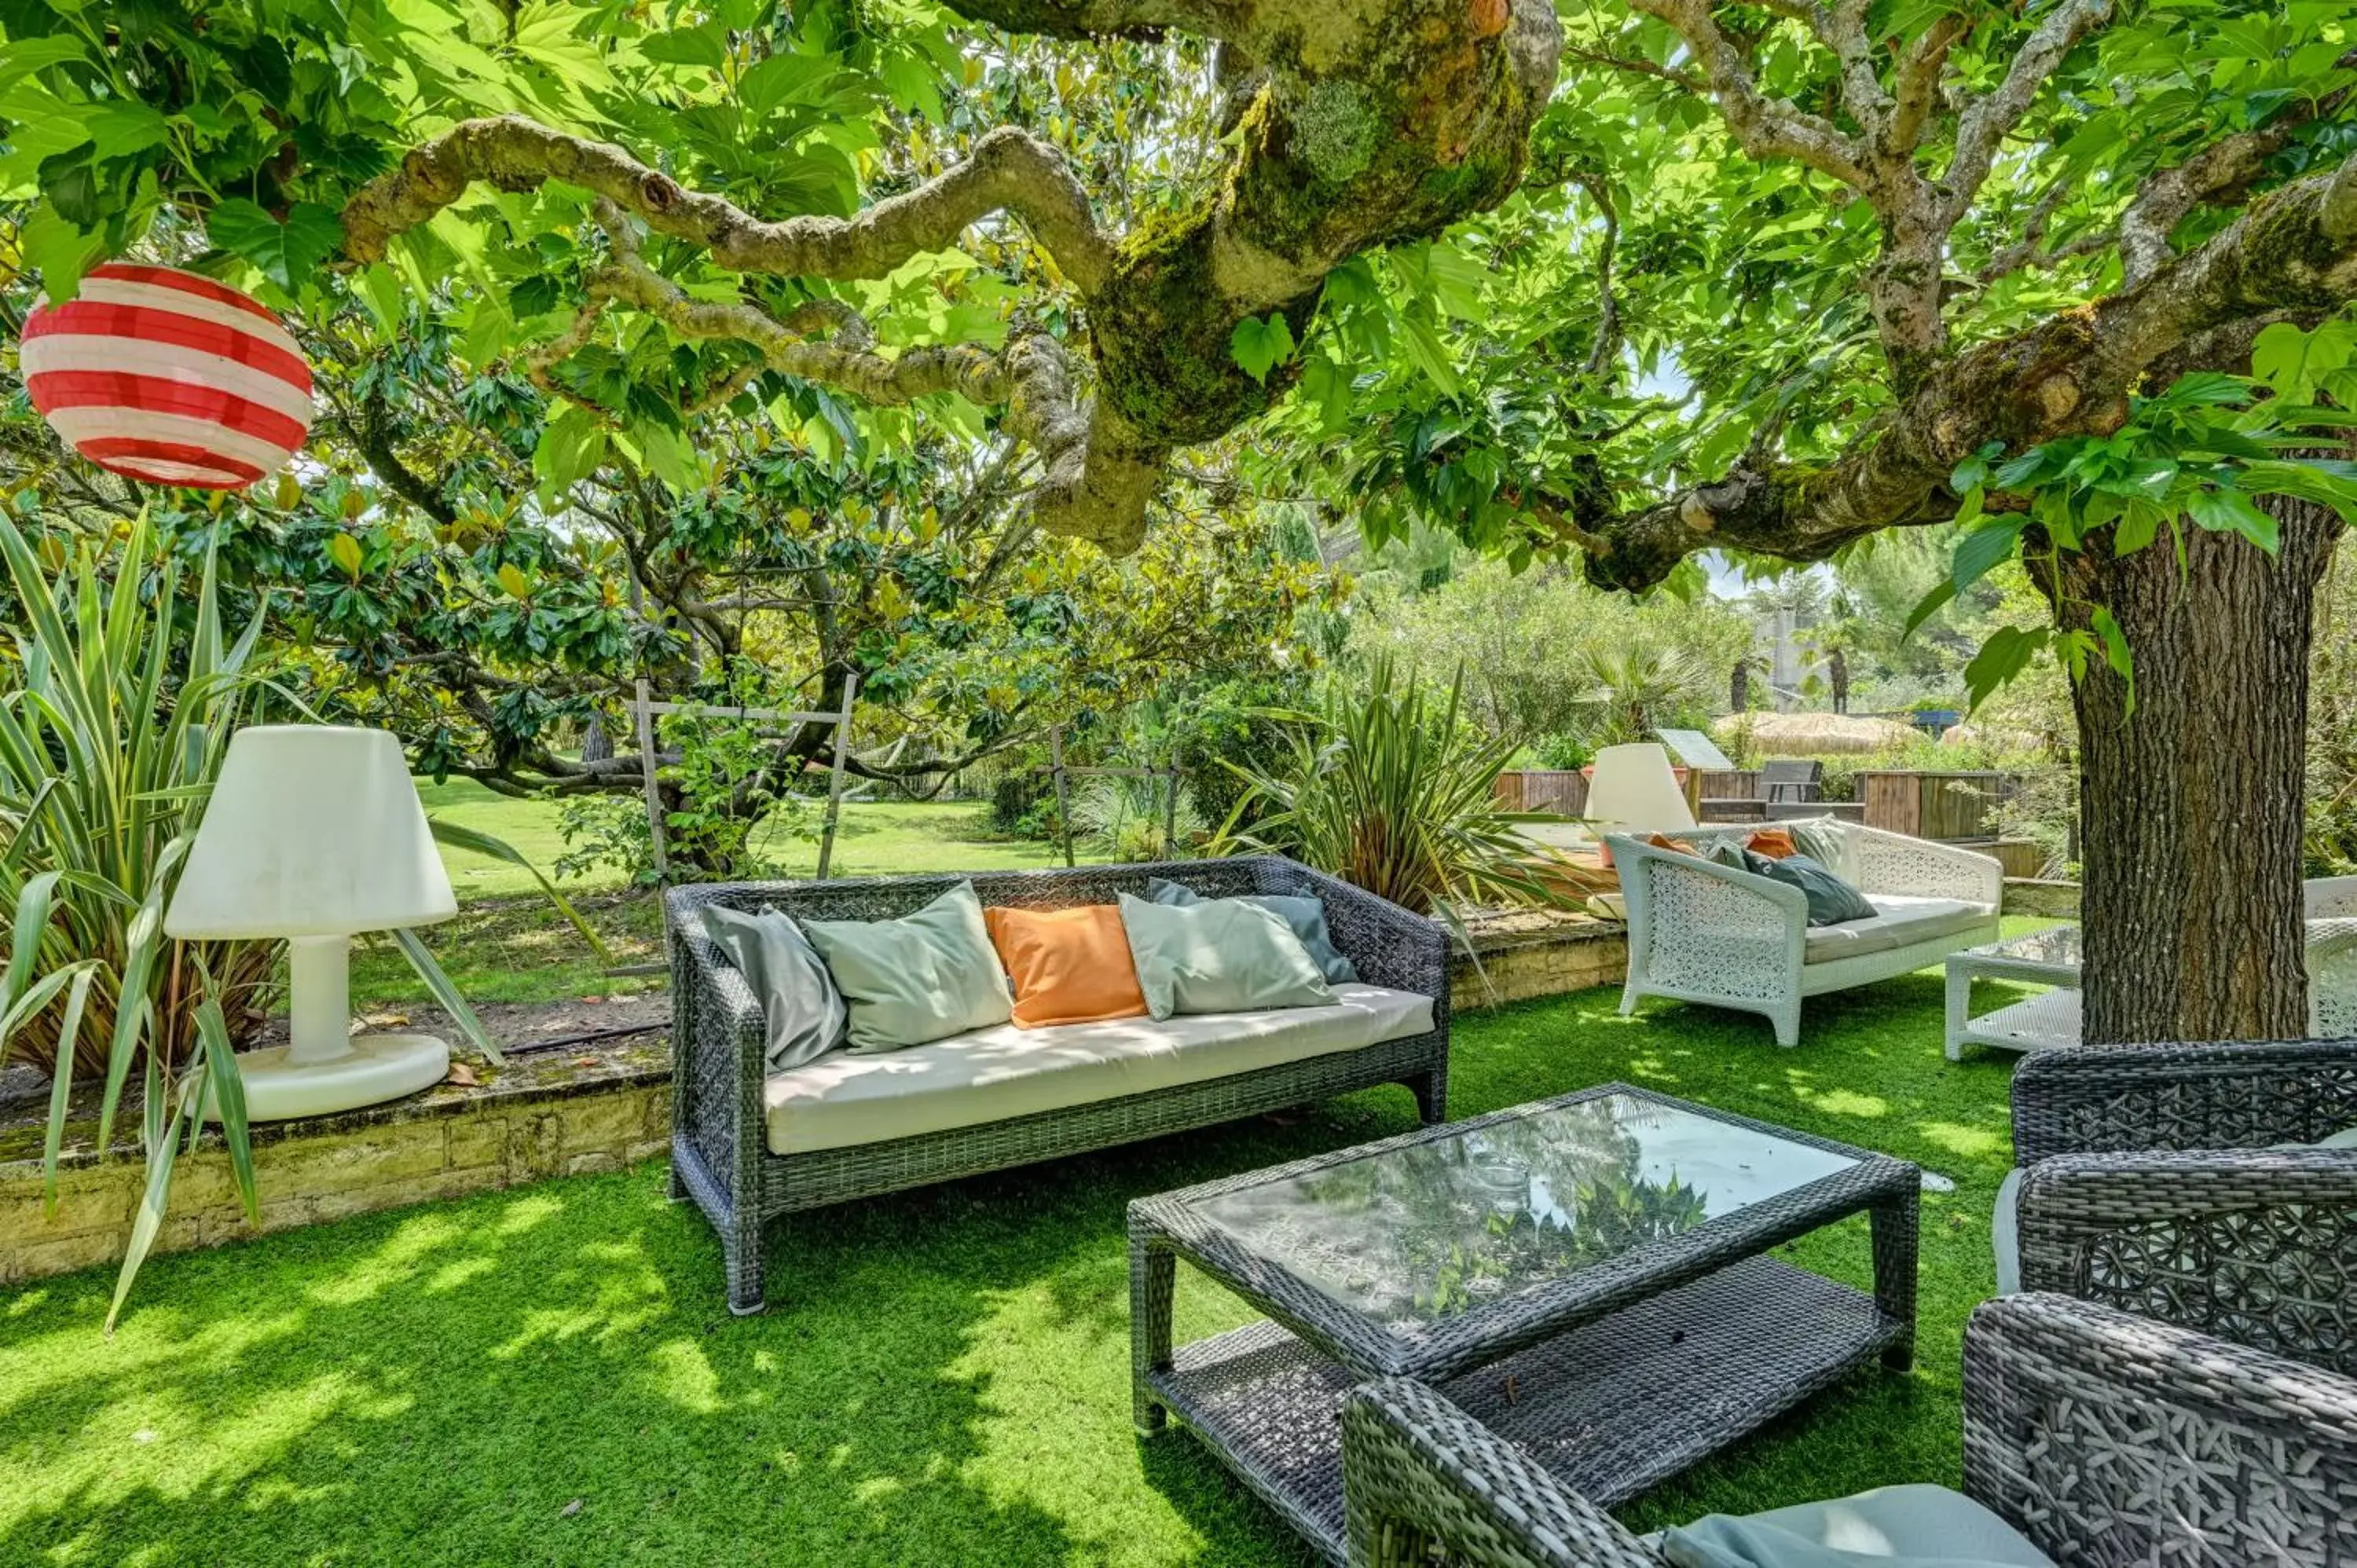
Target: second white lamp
1635 787
314 832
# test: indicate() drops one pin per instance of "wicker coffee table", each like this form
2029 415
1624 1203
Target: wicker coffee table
1586 1275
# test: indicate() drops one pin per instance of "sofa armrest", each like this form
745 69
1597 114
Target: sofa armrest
2102 1098
1419 1474
1388 945
719 1048
2253 1245
2107 1438
1702 928
1901 863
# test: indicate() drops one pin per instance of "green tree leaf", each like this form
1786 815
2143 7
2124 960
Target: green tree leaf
290 254
1261 346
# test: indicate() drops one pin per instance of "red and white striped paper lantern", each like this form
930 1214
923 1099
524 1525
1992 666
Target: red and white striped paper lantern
162 375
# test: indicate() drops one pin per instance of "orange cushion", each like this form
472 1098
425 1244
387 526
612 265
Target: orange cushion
1776 843
1663 841
1069 966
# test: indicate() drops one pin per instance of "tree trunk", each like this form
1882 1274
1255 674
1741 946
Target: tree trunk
2192 806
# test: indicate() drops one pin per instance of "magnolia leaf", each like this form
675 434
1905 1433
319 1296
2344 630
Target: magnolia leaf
513 580
347 553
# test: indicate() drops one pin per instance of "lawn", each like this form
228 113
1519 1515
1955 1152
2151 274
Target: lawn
874 838
550 1375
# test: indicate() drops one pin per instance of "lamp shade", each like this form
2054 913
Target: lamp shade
313 831
1634 787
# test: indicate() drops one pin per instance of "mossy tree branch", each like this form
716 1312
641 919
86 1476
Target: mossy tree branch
2292 251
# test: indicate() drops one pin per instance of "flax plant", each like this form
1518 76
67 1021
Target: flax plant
118 702
1394 793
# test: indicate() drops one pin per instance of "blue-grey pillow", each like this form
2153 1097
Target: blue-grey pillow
1832 901
1913 1526
804 1012
1306 915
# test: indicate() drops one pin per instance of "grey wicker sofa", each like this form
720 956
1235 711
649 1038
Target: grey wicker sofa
2153 1178
721 1154
2106 1439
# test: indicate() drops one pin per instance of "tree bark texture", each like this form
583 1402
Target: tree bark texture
2193 803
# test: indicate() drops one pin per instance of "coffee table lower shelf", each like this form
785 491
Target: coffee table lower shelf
1610 1408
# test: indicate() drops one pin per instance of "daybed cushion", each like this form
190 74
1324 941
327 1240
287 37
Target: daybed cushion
1832 900
1899 920
989 1075
1920 1525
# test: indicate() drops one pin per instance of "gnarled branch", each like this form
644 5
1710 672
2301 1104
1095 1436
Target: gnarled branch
1010 171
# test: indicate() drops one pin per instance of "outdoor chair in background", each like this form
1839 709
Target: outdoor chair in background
1792 779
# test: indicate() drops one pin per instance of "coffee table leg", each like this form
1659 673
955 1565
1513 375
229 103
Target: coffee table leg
1894 1224
1153 1281
1960 1007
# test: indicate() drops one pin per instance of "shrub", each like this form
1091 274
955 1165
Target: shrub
1387 791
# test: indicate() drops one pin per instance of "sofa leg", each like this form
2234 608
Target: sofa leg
1788 1027
679 1193
740 1248
1628 1001
1431 1091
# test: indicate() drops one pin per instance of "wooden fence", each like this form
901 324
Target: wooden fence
1559 790
1947 806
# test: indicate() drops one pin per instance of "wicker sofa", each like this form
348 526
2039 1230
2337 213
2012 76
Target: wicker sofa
1702 932
2103 1438
2169 1180
747 1145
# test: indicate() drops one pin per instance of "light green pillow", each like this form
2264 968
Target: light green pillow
1222 955
923 977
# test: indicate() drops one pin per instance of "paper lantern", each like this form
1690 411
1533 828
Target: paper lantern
161 375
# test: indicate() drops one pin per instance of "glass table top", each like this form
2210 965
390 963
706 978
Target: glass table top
1410 1236
2057 945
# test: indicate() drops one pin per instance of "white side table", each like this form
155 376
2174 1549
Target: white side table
2050 1019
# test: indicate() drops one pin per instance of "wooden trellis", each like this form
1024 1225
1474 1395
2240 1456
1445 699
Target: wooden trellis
1169 774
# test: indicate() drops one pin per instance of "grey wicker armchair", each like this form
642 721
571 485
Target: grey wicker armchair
2154 1181
2103 1438
720 1154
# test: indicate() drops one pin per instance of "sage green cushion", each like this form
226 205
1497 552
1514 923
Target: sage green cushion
1894 1527
1222 955
921 978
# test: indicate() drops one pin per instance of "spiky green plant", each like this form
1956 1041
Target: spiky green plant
1392 792
115 713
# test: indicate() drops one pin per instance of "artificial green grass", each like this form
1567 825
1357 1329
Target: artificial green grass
874 838
550 1375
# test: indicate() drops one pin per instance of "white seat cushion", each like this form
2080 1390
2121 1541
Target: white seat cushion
989 1075
1899 921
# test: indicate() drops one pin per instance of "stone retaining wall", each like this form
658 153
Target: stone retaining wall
591 1111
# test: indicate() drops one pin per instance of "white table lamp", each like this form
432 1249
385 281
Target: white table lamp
1634 787
315 832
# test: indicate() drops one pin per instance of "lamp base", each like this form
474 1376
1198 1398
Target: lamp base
378 1068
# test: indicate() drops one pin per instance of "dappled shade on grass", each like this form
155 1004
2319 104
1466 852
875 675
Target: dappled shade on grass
943 1376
